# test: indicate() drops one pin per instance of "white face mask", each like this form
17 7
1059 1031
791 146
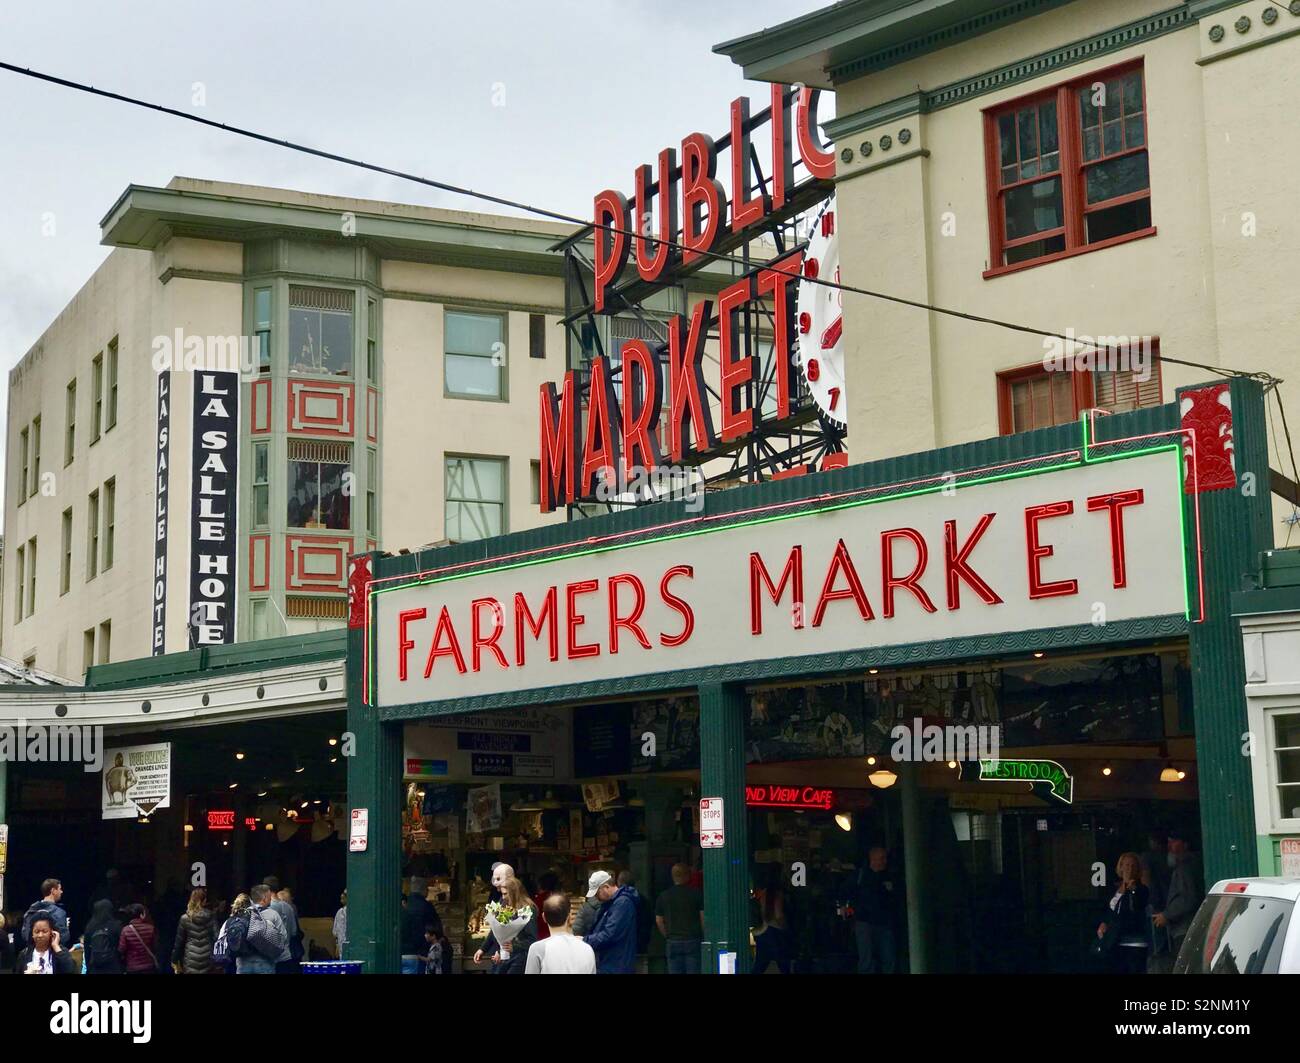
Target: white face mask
1171 859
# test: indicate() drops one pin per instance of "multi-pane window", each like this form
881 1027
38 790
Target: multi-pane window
110 418
92 536
20 557
319 484
1286 762
320 331
70 420
536 335
372 341
23 457
31 575
110 508
261 485
65 557
262 328
36 456
1031 398
474 355
372 493
1118 391
96 396
1067 168
475 498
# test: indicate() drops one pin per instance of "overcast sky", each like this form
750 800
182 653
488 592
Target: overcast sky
590 90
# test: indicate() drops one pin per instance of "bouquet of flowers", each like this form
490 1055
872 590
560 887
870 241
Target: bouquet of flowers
506 922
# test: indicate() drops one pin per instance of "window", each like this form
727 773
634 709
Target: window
372 341
22 466
261 485
1034 398
92 536
1067 169
105 639
476 498
262 328
110 507
320 485
87 649
31 575
320 331
1235 933
372 494
97 396
261 618
19 585
111 418
65 560
70 418
1119 391
36 456
1286 763
474 359
535 482
536 335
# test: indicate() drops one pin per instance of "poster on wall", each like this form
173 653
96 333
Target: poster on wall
522 745
483 808
136 780
214 505
162 475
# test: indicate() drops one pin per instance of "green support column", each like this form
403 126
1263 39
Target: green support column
726 870
1236 526
374 775
914 853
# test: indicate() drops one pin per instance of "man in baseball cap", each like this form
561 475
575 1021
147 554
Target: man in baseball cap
613 932
586 917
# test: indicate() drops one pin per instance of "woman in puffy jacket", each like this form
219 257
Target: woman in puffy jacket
138 944
192 951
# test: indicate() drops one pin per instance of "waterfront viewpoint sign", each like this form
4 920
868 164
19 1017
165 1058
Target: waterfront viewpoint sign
1074 545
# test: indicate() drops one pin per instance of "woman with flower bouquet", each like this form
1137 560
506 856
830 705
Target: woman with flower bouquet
513 925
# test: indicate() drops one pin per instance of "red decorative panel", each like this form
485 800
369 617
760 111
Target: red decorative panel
1207 414
260 417
259 562
316 562
321 407
358 583
372 415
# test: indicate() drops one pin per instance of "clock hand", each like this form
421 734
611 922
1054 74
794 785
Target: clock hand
832 334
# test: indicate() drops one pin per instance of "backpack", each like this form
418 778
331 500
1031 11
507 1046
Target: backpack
232 941
266 939
101 950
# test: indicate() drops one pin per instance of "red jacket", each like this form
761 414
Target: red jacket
138 946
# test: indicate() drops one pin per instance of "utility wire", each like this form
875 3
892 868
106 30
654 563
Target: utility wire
459 190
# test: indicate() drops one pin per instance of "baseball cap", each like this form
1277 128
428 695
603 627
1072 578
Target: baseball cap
598 879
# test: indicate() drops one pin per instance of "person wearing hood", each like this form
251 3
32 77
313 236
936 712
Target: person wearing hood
192 949
103 932
613 932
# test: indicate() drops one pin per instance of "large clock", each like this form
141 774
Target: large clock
819 349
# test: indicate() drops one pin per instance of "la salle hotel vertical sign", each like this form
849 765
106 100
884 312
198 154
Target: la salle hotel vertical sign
162 478
214 506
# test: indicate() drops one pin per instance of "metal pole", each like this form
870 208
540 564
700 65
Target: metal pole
914 865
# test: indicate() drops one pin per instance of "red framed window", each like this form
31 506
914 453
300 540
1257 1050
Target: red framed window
1067 169
1032 397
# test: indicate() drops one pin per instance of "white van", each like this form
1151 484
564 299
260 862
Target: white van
1244 926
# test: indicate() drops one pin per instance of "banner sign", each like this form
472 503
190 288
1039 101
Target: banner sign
512 744
1046 777
162 474
1066 546
214 507
136 780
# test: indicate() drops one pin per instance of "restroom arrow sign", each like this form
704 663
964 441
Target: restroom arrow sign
1047 777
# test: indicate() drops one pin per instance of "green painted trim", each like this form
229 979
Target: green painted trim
1035 66
474 303
1269 600
199 275
1199 9
1250 46
976 647
919 153
1267 855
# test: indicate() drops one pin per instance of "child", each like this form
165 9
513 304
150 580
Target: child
438 960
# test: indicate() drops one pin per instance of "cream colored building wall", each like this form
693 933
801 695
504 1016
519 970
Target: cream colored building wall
1222 142
421 425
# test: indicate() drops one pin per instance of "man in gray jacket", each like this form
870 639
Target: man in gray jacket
1186 891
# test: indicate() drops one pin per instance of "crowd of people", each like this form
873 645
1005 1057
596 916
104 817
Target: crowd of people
258 934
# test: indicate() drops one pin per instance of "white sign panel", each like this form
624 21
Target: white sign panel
1291 857
507 744
713 832
1091 544
136 780
360 835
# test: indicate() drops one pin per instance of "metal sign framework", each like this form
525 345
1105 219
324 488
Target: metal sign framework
776 446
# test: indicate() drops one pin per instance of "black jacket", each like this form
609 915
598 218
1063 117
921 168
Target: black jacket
518 961
105 928
61 961
876 899
417 914
1130 918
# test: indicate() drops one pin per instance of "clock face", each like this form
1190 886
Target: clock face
819 321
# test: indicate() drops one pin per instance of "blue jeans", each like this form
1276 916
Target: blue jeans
877 950
412 965
683 957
